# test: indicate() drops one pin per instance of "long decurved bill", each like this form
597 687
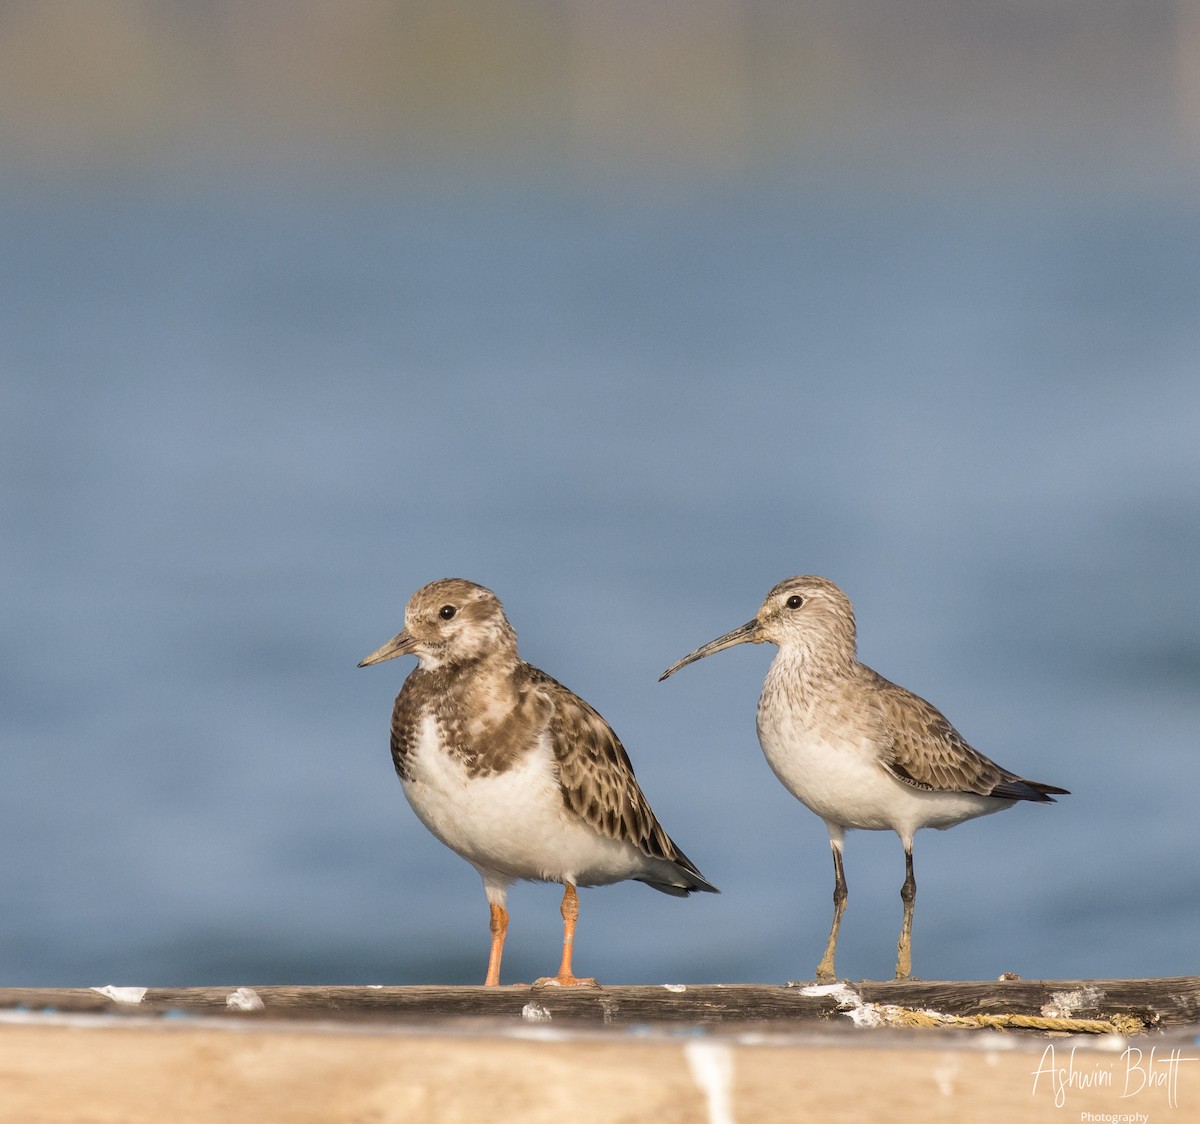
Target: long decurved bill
400 645
747 634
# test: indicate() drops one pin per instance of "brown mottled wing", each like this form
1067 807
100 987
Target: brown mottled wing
925 751
597 778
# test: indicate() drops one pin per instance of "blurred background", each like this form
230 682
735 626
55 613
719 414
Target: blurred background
626 311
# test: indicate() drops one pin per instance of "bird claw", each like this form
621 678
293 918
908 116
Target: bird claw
564 981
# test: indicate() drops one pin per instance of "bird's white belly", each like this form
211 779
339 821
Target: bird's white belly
512 824
844 783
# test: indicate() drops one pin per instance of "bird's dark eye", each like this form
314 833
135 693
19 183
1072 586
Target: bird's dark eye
795 601
446 612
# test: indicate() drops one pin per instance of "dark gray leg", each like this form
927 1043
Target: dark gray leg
908 895
825 968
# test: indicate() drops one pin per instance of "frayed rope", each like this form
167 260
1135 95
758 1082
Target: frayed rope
891 1015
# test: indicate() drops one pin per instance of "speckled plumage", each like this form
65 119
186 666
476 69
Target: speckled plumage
855 748
509 768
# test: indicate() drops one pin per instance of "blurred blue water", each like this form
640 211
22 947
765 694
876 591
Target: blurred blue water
242 420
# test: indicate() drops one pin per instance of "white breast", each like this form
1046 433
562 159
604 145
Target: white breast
831 763
512 824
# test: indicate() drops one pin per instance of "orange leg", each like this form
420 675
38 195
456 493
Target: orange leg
570 915
499 927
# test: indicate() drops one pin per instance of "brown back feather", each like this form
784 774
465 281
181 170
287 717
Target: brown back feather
596 775
927 752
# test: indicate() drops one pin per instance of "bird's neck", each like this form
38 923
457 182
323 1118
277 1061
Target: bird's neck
486 690
465 666
799 673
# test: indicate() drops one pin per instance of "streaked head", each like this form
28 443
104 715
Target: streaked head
448 622
806 613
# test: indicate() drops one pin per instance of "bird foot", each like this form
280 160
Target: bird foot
564 981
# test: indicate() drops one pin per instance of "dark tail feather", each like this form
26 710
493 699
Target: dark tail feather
690 879
1017 788
695 883
695 880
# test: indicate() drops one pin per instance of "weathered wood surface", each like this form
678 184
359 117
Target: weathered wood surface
1156 1003
194 1071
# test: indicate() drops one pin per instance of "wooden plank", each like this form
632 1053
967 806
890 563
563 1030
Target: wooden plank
1154 1003
131 1071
